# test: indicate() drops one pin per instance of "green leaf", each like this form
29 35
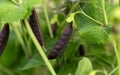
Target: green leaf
96 8
32 3
84 67
90 31
11 12
93 33
35 61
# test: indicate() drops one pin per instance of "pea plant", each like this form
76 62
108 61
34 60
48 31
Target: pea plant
59 37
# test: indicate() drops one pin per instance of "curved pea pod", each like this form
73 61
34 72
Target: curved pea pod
62 42
34 24
4 35
82 51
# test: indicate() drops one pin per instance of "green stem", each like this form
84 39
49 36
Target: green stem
47 19
26 40
64 21
21 41
104 12
114 70
14 2
117 55
69 13
90 18
39 48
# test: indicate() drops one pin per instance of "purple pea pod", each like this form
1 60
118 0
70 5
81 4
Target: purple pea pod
34 24
4 35
62 42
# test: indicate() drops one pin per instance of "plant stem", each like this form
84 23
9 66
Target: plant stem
27 53
75 5
14 2
41 52
104 12
26 40
64 21
113 71
117 52
90 18
47 19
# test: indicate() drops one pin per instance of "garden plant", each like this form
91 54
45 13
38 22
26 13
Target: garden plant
59 37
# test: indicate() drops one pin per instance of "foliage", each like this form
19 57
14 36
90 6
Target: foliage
96 25
83 68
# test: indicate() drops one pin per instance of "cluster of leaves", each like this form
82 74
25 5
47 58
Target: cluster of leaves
92 28
11 7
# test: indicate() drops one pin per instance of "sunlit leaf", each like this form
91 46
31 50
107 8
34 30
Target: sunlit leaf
11 12
84 67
